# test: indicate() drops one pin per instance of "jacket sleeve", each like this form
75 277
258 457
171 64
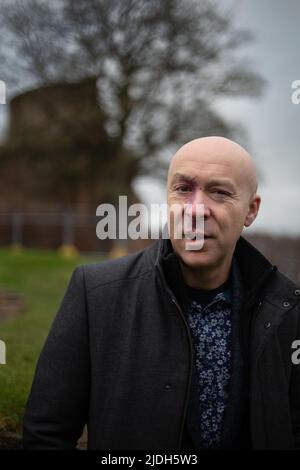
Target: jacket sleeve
57 406
295 392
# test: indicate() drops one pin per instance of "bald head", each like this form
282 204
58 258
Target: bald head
214 150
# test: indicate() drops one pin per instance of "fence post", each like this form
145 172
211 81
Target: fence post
17 232
68 248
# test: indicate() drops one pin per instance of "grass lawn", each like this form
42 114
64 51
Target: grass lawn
42 277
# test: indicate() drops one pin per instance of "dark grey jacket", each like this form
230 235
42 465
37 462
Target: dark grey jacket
119 356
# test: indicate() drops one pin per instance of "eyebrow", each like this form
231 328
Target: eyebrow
181 177
223 182
213 182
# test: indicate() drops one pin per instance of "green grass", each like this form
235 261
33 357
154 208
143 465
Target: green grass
41 277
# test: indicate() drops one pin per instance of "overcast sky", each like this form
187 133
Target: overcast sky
272 122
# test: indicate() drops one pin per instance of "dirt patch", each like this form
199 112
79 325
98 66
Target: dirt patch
10 440
11 304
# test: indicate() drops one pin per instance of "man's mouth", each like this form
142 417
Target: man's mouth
192 236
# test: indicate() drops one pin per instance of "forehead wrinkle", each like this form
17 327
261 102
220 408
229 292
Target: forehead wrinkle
187 172
181 176
214 181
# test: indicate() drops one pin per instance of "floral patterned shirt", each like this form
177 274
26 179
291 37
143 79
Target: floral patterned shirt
209 318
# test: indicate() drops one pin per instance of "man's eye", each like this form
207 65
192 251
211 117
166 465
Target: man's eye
182 189
221 192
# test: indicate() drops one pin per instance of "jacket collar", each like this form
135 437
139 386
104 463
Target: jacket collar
254 268
260 282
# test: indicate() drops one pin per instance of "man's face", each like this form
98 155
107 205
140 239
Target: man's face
221 184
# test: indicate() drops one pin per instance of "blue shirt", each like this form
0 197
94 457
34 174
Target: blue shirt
209 318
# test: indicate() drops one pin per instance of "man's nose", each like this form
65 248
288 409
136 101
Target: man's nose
197 206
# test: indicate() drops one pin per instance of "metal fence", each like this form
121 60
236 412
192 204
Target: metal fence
51 230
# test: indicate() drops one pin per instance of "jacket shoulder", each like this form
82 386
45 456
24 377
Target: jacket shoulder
132 266
285 281
282 289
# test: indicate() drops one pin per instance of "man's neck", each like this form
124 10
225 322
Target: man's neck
206 278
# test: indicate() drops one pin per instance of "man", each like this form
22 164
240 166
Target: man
171 348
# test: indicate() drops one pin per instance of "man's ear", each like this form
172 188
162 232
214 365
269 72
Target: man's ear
253 210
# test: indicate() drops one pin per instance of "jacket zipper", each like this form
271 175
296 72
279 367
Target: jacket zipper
181 314
173 299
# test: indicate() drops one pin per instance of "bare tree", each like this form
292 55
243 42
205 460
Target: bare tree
160 65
